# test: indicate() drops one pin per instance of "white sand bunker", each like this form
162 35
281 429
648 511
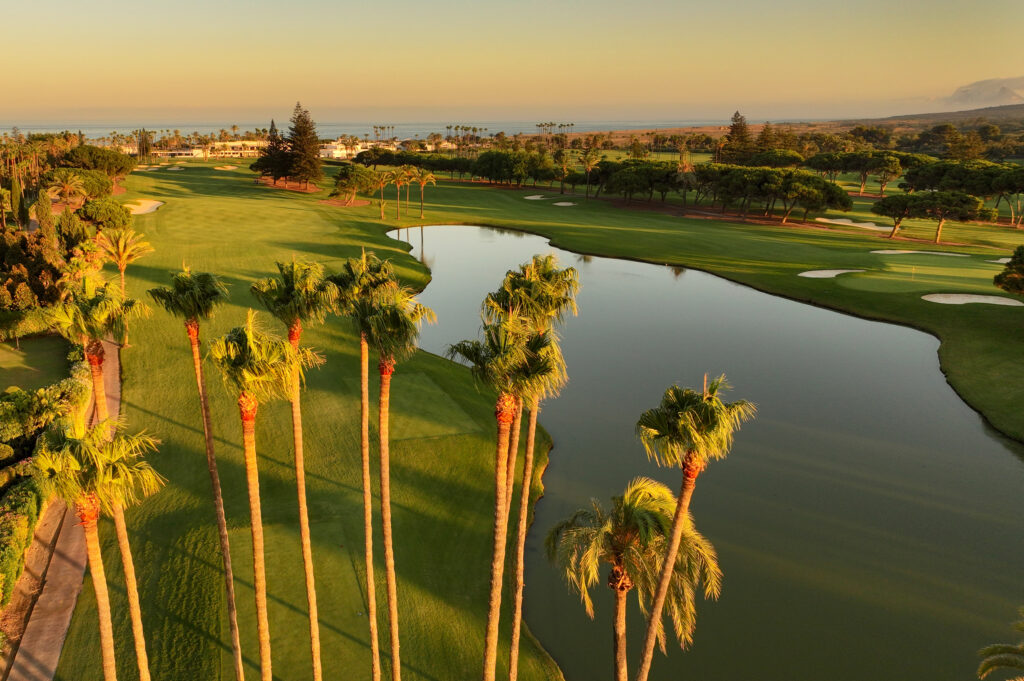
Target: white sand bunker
563 203
226 168
143 169
174 168
999 261
964 298
535 197
143 206
847 222
825 274
893 251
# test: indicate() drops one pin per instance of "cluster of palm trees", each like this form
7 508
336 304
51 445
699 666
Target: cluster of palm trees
520 359
648 538
258 367
403 176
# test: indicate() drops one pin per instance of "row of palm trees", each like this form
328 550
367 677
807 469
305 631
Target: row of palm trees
258 367
403 176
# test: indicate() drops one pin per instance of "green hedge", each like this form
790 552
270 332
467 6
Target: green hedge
19 512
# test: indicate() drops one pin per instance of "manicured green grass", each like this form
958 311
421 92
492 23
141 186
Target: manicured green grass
221 221
33 363
442 463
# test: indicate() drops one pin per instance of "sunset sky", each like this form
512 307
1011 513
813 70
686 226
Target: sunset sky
458 59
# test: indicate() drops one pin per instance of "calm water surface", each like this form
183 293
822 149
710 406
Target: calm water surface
868 522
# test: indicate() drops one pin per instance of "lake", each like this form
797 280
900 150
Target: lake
868 522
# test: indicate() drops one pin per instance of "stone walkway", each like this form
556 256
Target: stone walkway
37 655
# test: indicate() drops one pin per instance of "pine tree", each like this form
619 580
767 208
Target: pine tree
304 147
274 160
738 141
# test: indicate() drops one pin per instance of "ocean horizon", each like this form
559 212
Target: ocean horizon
97 129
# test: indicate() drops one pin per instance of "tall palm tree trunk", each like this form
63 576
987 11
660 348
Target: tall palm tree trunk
387 367
88 514
690 473
192 327
382 203
371 588
132 590
294 333
398 201
520 567
619 634
421 202
121 272
247 407
513 455
94 355
504 414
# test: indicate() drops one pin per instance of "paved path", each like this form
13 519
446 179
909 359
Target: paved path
39 652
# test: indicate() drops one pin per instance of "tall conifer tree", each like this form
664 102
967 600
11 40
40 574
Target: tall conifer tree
304 147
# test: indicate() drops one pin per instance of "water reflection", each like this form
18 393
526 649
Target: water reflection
865 521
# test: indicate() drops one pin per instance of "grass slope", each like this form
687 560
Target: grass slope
34 363
442 455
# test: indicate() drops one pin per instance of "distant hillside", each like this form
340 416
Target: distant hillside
1010 116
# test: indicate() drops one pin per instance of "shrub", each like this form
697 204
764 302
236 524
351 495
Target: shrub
19 512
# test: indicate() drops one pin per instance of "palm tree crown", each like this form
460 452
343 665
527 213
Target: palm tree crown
394 324
691 427
1004 655
90 464
258 364
539 290
85 317
301 293
192 295
631 539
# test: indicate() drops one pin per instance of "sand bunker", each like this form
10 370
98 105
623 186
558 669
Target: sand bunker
825 274
174 168
563 203
143 206
964 298
535 197
226 168
901 252
144 169
999 261
847 222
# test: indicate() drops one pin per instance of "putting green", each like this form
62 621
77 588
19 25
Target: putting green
33 363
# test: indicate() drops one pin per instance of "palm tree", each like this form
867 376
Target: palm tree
122 246
5 204
378 183
127 478
66 185
360 284
301 294
392 329
257 367
631 539
193 297
1004 655
398 178
423 177
589 159
544 293
688 429
93 473
509 360
88 317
